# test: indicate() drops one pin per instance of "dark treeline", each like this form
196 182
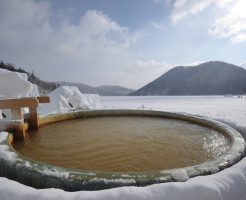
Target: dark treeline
42 85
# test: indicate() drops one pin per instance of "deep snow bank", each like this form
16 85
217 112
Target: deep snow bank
14 84
69 98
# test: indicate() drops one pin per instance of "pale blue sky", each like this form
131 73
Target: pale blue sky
119 42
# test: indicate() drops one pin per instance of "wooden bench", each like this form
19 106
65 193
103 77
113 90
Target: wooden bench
16 122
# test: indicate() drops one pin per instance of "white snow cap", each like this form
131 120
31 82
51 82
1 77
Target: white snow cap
14 84
69 98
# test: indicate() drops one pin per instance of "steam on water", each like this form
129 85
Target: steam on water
124 144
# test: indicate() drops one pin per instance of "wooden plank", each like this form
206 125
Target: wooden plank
44 99
18 103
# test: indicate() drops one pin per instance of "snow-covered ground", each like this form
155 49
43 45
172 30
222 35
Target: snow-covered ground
228 184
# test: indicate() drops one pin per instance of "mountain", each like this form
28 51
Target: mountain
105 90
109 90
82 87
210 78
46 87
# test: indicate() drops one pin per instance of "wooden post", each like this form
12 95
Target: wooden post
16 113
16 106
33 117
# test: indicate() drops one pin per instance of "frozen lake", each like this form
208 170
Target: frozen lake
228 109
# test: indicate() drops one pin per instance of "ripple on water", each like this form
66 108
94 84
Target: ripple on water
123 144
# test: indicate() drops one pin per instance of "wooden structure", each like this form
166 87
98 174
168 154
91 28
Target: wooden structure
17 121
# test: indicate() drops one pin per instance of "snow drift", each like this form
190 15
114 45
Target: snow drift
69 98
14 84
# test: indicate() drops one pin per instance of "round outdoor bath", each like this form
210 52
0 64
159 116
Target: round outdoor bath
94 150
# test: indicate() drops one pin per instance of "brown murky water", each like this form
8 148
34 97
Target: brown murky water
123 144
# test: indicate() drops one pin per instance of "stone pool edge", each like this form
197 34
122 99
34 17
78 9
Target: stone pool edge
40 175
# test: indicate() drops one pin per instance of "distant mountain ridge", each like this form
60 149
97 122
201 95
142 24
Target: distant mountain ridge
46 87
210 78
105 90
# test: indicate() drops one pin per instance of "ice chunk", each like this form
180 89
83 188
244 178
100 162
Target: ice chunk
180 175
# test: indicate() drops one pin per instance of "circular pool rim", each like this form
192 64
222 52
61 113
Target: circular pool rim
42 175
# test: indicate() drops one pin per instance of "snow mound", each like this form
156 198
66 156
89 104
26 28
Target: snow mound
34 92
5 154
3 71
69 98
14 84
180 175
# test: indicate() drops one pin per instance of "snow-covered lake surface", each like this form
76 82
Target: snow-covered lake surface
231 109
226 185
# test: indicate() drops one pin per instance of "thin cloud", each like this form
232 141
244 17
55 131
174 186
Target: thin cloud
158 26
184 8
232 23
229 22
164 2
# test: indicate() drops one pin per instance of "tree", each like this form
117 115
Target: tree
1 64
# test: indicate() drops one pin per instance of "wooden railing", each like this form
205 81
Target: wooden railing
16 121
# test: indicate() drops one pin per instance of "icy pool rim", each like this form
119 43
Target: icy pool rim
42 175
